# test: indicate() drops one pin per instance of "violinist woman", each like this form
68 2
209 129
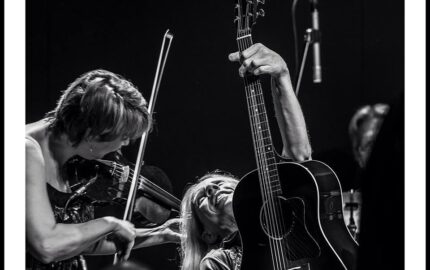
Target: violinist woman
209 232
97 114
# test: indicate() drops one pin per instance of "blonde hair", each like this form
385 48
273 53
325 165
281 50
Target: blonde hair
193 248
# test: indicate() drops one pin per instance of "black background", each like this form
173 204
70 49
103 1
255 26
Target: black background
201 114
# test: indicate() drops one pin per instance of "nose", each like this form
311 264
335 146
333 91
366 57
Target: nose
211 190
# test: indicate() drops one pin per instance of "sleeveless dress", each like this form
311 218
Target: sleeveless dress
76 212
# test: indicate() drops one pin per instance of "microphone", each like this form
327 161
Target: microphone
317 76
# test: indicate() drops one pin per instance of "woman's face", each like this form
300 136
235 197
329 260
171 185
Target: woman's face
213 203
95 149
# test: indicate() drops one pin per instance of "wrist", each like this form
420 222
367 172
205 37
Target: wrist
112 222
281 76
282 83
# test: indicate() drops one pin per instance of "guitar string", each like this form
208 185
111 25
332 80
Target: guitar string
277 206
276 249
279 210
263 174
272 205
275 170
266 189
242 46
265 171
239 25
279 217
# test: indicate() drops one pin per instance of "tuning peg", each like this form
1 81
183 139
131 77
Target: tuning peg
261 1
236 19
261 13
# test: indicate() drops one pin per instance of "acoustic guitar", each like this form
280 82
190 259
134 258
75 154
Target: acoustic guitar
289 214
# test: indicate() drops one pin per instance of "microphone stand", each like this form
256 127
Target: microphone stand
311 36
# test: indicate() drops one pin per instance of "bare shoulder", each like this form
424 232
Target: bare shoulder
32 148
35 135
34 160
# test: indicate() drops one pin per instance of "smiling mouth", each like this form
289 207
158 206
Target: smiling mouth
219 199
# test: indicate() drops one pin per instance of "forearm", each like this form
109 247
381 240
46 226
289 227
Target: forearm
290 119
150 237
101 247
68 240
259 60
144 238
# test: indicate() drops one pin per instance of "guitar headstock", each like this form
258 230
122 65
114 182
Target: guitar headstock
247 13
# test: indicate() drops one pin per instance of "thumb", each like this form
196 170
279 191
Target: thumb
234 57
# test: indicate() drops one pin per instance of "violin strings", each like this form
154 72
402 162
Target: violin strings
117 171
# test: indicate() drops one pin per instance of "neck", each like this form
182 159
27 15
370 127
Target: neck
61 148
228 228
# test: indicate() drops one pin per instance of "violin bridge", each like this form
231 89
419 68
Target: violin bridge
123 179
124 174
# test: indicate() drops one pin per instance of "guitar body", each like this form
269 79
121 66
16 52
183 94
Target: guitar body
315 235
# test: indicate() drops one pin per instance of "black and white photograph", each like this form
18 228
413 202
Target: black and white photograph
214 135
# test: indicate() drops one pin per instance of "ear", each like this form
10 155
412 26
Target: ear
209 237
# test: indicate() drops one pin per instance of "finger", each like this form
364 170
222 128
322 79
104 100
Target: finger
250 64
128 250
119 256
242 71
253 62
252 50
234 57
262 70
177 237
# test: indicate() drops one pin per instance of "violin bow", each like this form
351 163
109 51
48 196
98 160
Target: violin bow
168 36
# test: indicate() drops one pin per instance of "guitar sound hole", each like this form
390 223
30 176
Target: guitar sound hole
276 218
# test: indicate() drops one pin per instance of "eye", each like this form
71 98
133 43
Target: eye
200 200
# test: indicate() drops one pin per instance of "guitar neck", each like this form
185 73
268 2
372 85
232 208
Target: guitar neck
262 139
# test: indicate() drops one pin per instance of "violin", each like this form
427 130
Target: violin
107 181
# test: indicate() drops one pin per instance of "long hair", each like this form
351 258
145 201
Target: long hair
100 103
193 248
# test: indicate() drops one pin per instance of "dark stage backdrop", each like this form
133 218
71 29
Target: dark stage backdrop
201 114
